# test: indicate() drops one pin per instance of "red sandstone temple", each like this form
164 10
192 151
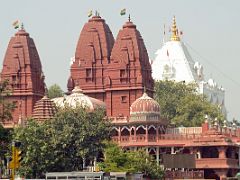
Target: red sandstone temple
22 68
118 75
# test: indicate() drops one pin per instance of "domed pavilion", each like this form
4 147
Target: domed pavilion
77 98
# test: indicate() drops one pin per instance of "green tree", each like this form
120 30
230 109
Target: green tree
118 160
63 143
6 106
55 91
182 105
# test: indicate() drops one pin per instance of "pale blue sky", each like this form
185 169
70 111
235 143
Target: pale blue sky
211 27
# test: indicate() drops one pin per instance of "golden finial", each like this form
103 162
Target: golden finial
175 36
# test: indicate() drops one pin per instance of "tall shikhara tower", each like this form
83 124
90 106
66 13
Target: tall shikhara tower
128 73
116 73
23 69
91 58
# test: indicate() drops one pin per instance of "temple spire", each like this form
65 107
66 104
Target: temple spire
175 36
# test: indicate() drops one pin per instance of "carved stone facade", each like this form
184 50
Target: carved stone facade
88 69
22 67
115 73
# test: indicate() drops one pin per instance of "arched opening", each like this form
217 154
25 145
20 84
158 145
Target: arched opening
152 153
209 152
125 132
141 131
152 131
152 134
114 132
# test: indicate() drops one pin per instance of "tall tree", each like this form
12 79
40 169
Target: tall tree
6 106
181 103
55 91
63 143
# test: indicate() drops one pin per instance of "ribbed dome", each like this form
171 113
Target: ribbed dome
145 109
78 98
44 109
144 104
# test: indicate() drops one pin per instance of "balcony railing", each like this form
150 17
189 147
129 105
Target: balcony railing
155 138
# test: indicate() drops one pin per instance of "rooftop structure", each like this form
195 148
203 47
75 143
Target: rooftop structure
77 98
215 148
44 109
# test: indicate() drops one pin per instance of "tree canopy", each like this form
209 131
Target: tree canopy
118 160
63 143
55 91
182 105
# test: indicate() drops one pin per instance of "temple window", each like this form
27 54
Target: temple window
123 76
88 74
14 78
122 73
123 99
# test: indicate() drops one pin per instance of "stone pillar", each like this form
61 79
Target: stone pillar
221 152
95 164
84 162
157 133
119 134
222 174
135 134
157 154
172 150
146 136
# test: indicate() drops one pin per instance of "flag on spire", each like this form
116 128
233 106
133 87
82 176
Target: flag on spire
90 13
123 12
15 24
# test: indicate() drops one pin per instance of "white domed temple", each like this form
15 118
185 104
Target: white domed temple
174 62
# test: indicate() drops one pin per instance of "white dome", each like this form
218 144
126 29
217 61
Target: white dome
78 98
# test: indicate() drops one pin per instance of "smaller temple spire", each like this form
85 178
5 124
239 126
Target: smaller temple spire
175 36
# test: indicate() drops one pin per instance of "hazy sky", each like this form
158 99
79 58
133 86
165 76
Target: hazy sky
210 27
